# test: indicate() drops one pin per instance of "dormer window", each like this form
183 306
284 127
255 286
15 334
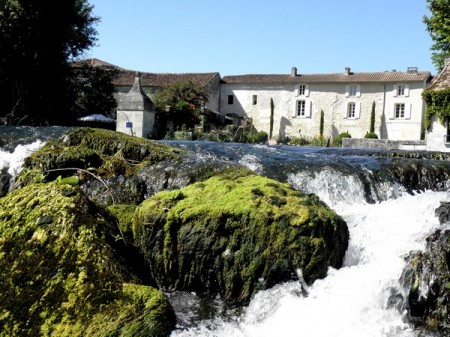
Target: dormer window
401 90
353 90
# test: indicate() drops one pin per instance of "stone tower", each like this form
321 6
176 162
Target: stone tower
135 112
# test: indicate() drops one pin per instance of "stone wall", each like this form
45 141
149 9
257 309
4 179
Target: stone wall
386 144
332 99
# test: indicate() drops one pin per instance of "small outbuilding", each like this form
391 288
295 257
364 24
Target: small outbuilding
135 112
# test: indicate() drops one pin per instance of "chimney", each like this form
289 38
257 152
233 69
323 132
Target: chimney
347 71
294 71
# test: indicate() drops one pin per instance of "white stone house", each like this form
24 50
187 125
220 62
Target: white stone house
438 135
345 98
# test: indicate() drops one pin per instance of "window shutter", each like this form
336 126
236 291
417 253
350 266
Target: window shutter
345 111
297 90
392 112
347 90
307 90
408 111
308 108
294 110
357 109
394 90
358 91
406 90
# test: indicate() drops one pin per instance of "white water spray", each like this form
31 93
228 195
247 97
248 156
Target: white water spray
14 160
354 300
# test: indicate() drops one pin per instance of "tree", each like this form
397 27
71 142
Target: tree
38 39
372 119
272 107
321 124
182 102
437 25
92 91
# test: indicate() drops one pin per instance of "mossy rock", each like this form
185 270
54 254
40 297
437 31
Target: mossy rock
62 270
237 233
94 152
427 276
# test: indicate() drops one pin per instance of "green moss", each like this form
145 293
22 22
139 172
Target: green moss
124 215
225 235
92 152
57 267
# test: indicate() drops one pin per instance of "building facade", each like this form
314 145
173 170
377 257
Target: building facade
346 100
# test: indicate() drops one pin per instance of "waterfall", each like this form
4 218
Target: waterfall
364 298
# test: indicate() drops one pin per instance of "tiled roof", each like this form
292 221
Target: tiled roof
93 63
382 77
441 81
126 78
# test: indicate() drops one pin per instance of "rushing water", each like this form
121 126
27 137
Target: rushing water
364 298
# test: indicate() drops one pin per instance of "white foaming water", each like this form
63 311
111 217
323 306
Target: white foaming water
252 162
351 301
14 161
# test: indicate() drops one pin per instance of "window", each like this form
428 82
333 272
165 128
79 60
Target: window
301 108
230 99
399 110
351 110
302 90
353 90
254 99
401 90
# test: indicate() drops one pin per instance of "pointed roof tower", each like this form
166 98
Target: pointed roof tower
136 98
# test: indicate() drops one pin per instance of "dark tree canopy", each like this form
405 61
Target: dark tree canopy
182 101
38 39
438 26
92 89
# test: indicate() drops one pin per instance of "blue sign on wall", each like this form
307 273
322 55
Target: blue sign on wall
129 124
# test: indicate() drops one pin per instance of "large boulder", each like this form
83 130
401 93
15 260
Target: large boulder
64 270
236 233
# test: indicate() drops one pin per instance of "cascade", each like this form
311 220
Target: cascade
386 220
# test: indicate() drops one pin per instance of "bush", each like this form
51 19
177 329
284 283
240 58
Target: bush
338 140
261 137
371 135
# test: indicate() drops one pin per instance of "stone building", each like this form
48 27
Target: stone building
346 99
135 112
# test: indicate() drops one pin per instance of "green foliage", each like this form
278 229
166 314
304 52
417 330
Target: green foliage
372 119
260 137
338 140
439 30
321 123
370 135
92 91
38 39
185 98
438 105
272 107
301 141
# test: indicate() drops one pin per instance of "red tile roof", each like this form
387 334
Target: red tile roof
126 78
382 77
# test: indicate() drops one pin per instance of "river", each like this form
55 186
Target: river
386 221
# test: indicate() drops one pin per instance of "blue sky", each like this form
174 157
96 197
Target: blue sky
262 36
